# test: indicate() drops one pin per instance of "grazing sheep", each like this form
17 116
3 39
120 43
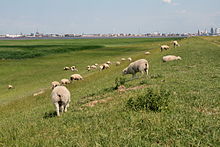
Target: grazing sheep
96 64
108 62
76 77
117 63
60 97
73 67
164 47
104 66
93 67
55 84
175 43
123 59
140 65
88 68
171 58
66 68
64 81
10 87
129 59
147 53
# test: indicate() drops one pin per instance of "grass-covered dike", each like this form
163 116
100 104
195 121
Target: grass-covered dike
176 105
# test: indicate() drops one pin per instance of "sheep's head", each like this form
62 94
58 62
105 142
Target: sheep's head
124 72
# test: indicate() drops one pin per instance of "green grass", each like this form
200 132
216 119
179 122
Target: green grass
192 117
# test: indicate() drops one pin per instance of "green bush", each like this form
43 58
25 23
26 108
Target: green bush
153 100
119 81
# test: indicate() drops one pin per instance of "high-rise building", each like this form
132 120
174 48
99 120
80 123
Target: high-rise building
212 31
198 32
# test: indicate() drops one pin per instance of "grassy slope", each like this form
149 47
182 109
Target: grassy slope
32 74
192 118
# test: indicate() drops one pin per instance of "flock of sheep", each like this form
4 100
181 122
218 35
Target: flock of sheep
61 96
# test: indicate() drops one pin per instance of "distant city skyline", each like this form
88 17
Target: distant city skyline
108 16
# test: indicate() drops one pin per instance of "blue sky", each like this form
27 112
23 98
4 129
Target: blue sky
108 16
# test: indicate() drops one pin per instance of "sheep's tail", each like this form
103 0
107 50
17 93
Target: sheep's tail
146 66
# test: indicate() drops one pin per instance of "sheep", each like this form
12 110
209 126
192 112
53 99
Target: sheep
88 68
66 68
108 62
76 77
140 65
96 64
123 59
93 67
175 43
104 66
117 63
164 47
60 97
129 59
55 84
64 81
147 53
171 58
10 87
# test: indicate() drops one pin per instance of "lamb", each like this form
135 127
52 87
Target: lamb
60 97
140 65
55 84
175 43
10 87
171 58
64 81
117 63
66 68
129 59
147 53
164 47
76 77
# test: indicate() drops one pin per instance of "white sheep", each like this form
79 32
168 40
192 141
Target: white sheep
93 67
123 59
10 87
140 65
147 53
175 43
164 47
96 64
60 97
104 66
55 84
66 68
129 59
108 62
171 58
117 63
76 77
64 81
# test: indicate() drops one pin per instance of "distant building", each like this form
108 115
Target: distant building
217 31
212 31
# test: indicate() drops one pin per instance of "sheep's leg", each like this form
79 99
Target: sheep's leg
61 108
57 109
65 108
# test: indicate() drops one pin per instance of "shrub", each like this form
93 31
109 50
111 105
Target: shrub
119 81
153 100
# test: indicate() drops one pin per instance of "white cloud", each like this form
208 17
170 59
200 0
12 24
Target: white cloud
167 1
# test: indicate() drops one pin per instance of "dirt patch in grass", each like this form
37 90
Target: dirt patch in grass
208 111
95 102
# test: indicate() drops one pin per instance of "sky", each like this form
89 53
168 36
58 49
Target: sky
108 16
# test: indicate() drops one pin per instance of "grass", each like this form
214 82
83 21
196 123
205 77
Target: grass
192 117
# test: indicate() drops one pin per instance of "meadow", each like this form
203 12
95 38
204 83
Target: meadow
190 118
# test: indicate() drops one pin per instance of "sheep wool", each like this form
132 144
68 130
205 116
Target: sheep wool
60 97
140 65
171 58
76 77
54 84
